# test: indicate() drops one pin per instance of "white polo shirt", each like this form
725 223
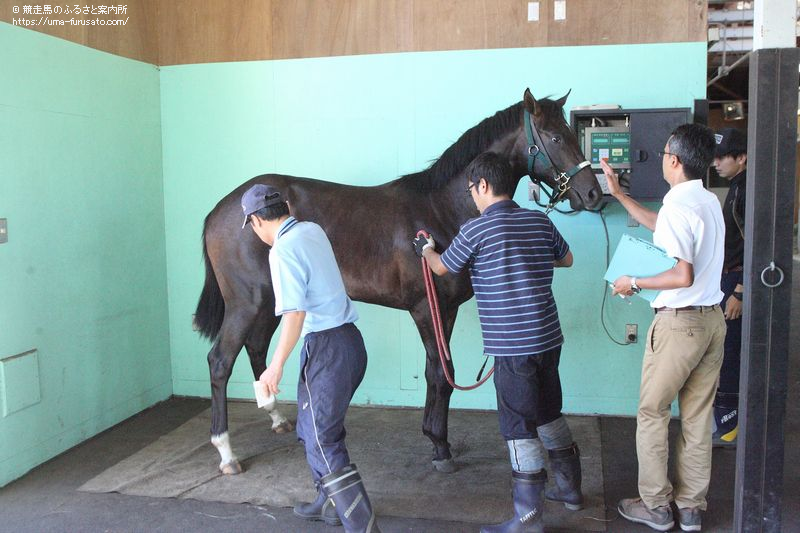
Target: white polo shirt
690 227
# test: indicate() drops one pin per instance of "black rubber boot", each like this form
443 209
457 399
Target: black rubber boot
528 492
320 509
349 496
565 466
726 420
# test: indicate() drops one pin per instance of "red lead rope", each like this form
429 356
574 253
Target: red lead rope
433 302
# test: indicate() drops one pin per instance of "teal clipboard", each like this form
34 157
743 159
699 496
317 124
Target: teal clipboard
639 258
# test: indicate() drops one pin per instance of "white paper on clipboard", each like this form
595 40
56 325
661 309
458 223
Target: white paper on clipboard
639 258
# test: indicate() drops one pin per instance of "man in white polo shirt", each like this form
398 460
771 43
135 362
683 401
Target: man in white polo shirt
684 345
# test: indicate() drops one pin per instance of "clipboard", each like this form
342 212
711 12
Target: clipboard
639 258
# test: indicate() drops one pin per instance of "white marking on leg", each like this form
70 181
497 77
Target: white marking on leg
223 444
276 416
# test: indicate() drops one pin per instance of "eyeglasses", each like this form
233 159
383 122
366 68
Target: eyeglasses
469 189
662 154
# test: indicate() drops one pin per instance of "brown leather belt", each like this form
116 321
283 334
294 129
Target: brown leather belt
734 269
687 308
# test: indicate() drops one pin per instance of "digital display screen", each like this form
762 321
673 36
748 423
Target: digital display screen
613 144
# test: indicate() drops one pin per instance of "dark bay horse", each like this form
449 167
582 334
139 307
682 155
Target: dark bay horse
371 229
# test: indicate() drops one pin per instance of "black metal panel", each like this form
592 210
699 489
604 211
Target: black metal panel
650 131
765 328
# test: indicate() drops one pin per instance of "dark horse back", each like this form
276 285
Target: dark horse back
231 243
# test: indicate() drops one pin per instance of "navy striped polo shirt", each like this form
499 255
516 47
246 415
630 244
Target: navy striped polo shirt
510 253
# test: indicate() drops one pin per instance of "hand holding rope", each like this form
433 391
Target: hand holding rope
436 318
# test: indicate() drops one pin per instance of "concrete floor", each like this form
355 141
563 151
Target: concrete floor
46 499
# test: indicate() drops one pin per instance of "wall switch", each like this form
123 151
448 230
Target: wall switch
632 222
3 230
195 327
631 333
560 10
533 11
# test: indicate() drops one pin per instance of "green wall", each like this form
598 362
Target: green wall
83 275
108 167
367 119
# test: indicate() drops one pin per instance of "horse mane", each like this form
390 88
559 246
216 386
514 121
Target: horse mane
477 140
472 142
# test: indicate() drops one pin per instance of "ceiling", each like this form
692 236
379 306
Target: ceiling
730 39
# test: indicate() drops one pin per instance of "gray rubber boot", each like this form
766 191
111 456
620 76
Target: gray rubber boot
320 509
528 492
565 466
349 496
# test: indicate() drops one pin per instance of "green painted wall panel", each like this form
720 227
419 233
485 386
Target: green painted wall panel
365 120
83 275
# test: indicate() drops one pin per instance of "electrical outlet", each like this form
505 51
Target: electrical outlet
632 333
3 230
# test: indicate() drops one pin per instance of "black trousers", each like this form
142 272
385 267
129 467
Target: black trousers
729 374
528 392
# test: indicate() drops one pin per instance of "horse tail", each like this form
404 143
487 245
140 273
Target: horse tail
211 307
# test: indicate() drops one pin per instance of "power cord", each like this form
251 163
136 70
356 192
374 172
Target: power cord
605 285
599 211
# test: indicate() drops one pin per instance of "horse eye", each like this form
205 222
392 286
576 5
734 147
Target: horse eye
556 139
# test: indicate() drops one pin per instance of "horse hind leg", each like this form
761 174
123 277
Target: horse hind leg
257 344
223 354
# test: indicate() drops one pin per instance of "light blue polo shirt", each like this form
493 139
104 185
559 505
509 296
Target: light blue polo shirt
305 277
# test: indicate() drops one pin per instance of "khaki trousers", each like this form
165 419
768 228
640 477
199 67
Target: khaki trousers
683 357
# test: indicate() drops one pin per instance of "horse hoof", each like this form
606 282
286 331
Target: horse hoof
232 468
284 427
445 466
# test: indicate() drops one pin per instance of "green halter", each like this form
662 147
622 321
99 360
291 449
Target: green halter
535 152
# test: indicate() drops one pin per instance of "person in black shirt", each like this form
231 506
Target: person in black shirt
730 161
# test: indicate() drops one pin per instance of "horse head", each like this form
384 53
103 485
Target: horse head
554 154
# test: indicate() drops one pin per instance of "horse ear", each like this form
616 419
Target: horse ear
563 100
530 102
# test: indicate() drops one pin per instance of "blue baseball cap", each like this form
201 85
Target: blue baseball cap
258 197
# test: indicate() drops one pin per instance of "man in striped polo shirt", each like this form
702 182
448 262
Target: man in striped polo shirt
510 253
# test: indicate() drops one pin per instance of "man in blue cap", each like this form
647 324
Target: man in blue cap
730 161
333 357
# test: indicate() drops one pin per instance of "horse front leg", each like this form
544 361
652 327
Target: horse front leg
437 399
256 344
220 364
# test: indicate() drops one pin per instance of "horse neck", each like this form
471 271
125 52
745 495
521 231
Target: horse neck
512 146
455 206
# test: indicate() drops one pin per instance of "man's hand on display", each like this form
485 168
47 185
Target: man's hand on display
622 285
421 244
611 178
271 377
733 308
